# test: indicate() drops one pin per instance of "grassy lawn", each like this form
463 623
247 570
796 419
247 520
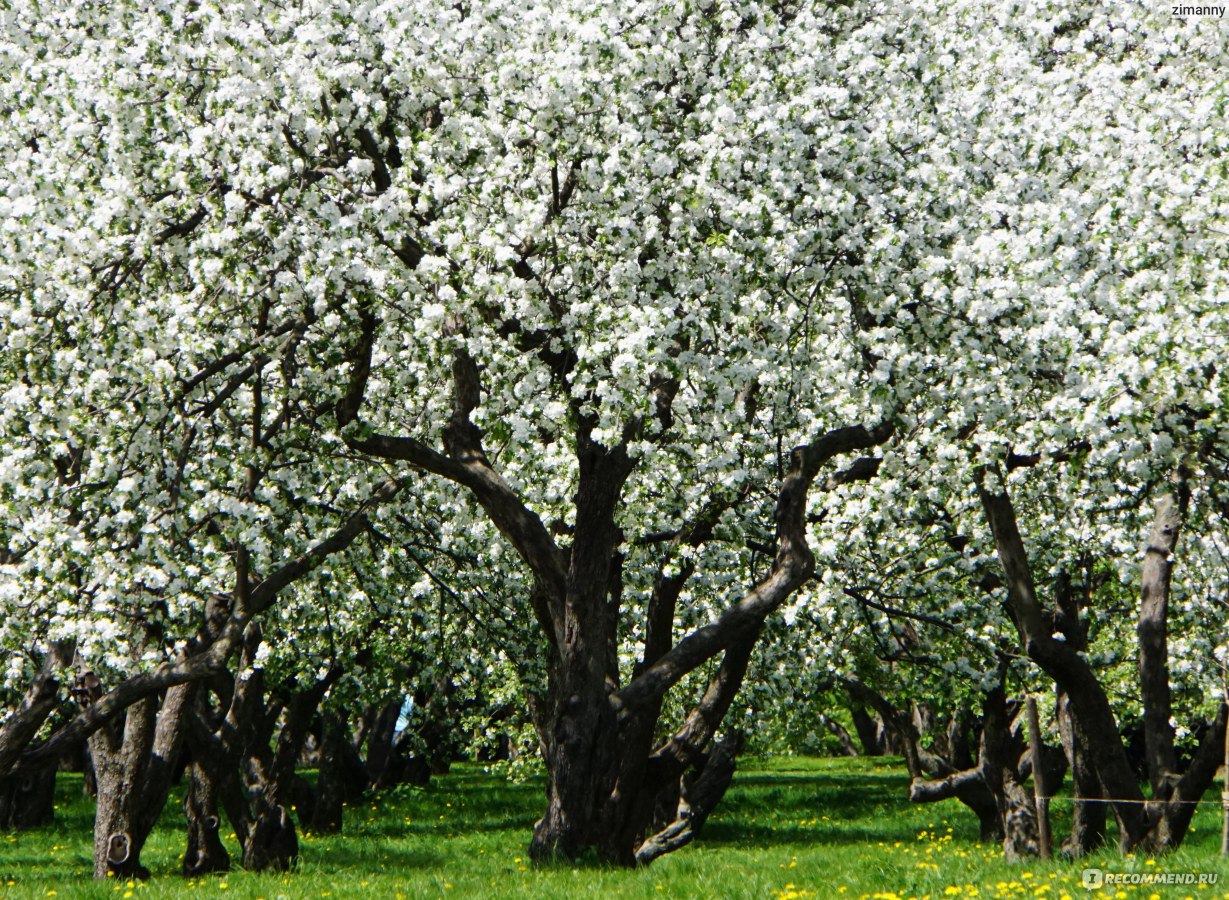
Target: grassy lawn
789 828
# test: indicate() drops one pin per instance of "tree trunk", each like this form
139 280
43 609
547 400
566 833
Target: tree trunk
271 842
596 735
870 730
1092 718
331 779
1087 819
1000 758
381 758
41 698
969 787
1153 631
206 852
1169 820
684 806
27 797
1161 824
134 769
254 776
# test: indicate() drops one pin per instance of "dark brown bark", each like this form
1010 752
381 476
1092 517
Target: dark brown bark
1000 757
1088 819
206 853
254 773
688 808
27 798
610 805
577 748
1170 819
970 788
270 840
1092 718
326 817
1159 825
992 787
380 751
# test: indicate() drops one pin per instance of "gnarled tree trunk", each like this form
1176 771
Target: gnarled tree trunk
1162 823
134 768
253 778
205 853
1000 757
597 735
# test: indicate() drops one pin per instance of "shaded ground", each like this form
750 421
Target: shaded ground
790 828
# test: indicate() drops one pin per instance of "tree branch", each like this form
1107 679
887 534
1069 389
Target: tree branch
794 564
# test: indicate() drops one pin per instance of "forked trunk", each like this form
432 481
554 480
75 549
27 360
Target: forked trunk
270 842
134 769
1154 825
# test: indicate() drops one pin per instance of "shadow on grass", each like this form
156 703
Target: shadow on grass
342 854
795 803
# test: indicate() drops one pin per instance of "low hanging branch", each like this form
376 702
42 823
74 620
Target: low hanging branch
200 662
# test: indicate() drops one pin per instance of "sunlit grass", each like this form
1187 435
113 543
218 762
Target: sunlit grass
790 828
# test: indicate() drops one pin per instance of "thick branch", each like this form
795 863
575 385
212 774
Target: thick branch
793 565
40 700
266 591
1069 670
211 660
465 464
922 791
686 745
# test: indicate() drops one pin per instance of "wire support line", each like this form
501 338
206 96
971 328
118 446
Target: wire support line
1221 802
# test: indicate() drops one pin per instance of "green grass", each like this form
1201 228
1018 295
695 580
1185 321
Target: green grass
789 828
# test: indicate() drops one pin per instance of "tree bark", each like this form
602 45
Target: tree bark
331 779
694 800
1092 718
1000 757
970 788
40 699
381 768
27 797
254 775
134 768
1161 824
1153 630
597 737
1087 819
206 853
205 656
